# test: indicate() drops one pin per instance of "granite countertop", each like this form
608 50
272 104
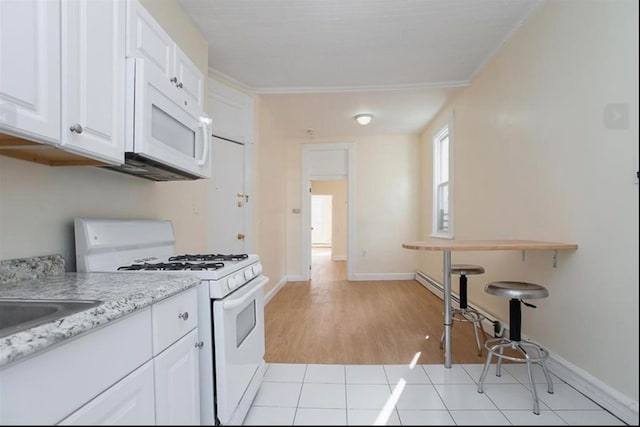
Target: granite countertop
121 293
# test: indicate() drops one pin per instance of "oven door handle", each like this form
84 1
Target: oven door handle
230 305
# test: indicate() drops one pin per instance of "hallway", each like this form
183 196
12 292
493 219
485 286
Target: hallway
332 320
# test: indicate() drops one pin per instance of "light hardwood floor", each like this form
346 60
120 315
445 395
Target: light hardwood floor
332 320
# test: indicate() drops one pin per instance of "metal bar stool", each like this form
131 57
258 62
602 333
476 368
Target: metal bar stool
531 352
465 313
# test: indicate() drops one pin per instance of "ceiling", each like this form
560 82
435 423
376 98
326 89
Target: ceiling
353 55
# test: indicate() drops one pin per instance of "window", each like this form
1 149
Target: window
442 185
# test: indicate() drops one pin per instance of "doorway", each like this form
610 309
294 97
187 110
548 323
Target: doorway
329 217
321 219
328 162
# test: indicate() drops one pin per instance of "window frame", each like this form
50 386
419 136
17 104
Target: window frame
445 130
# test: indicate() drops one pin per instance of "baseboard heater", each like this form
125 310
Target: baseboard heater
490 324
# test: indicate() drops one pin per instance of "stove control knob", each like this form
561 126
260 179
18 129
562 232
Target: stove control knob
231 282
255 270
248 274
239 279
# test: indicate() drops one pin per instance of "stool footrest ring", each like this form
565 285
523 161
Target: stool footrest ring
495 346
531 354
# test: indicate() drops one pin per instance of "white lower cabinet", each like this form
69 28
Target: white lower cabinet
141 369
177 387
129 402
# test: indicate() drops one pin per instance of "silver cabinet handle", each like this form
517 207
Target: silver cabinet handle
174 80
184 316
179 85
76 128
200 344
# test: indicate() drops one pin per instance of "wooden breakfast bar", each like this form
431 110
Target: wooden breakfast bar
448 245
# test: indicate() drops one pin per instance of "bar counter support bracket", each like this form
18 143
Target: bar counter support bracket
555 258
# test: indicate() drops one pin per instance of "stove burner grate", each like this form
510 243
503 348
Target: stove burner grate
172 266
209 257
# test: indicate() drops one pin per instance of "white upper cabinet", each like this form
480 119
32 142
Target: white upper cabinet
147 39
30 69
189 78
231 111
93 90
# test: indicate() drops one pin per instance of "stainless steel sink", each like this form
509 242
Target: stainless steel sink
19 314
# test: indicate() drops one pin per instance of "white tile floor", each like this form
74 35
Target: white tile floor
298 394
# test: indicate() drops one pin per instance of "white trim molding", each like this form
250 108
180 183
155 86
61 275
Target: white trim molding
338 257
612 400
296 278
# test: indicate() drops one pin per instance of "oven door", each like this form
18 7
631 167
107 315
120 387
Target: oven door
164 125
238 325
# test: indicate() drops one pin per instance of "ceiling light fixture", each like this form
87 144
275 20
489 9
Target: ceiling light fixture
364 119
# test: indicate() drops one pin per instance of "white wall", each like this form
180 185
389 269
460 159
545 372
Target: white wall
270 201
386 203
536 158
38 203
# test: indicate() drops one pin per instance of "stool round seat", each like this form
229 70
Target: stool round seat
466 269
516 290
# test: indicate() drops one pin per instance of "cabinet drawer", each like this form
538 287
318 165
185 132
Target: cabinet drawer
49 386
173 318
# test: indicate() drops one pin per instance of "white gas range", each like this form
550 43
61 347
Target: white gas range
230 304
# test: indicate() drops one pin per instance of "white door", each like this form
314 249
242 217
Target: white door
177 382
227 198
30 69
321 207
129 402
93 66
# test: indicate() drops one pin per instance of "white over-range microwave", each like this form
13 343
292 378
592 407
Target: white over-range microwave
168 137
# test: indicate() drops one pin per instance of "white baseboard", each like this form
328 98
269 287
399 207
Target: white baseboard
612 400
273 291
338 258
382 276
296 278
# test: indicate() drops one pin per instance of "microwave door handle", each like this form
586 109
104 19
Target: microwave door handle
206 140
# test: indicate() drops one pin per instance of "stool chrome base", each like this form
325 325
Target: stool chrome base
536 354
472 316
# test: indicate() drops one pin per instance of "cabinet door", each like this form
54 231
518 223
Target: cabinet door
30 69
177 384
231 111
93 63
129 402
147 39
190 79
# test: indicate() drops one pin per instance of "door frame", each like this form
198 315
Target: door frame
305 238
